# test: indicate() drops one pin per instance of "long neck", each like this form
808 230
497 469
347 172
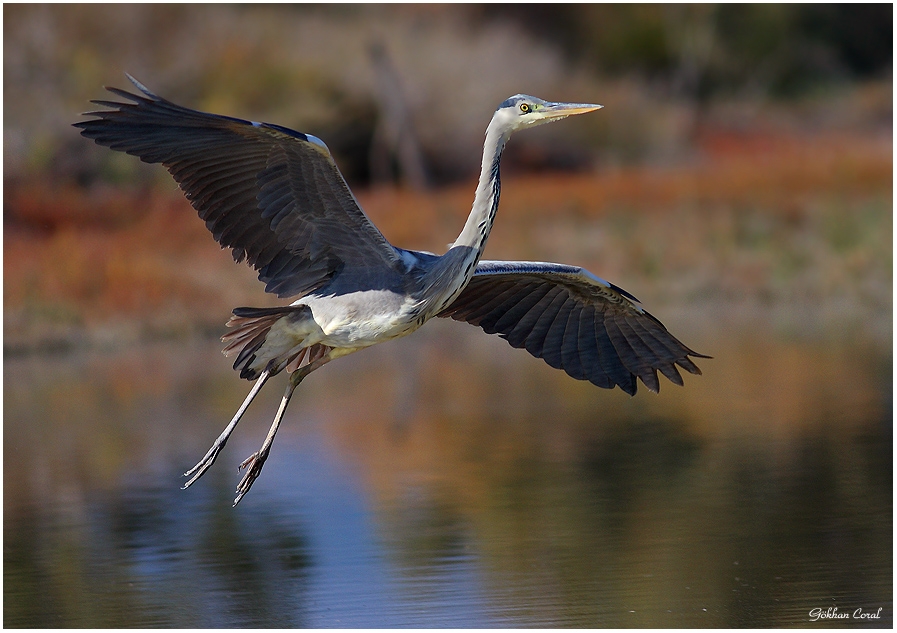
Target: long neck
485 203
448 275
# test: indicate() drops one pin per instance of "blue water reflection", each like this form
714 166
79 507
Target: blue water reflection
489 503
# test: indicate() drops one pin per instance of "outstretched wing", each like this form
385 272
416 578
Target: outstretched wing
273 195
573 320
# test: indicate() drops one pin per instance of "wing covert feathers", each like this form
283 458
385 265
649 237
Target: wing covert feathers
573 321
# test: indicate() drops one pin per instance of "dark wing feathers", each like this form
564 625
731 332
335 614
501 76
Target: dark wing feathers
570 355
554 336
574 321
272 195
545 312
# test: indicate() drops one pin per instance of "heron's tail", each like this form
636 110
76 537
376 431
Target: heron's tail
251 328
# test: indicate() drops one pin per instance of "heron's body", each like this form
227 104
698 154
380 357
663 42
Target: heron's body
344 323
344 319
276 198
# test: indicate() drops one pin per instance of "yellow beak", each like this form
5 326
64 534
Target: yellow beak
559 110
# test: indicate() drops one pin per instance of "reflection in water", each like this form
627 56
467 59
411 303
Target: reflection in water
449 480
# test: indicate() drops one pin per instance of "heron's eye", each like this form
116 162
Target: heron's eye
525 108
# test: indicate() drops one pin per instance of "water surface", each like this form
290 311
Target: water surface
449 480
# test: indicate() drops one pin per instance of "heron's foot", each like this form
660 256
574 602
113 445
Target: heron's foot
203 465
254 463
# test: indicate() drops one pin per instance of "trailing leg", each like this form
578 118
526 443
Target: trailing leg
256 461
210 456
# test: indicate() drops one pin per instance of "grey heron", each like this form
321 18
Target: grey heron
277 199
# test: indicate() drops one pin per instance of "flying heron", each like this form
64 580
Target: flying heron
277 199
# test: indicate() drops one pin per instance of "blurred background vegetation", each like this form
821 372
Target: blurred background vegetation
745 150
310 63
703 51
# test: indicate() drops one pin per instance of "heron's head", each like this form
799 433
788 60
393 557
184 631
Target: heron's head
521 111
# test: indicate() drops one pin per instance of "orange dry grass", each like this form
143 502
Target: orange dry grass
779 220
153 274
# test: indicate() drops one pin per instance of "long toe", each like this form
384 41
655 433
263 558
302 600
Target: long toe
202 466
253 464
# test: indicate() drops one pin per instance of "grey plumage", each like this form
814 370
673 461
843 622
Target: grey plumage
276 198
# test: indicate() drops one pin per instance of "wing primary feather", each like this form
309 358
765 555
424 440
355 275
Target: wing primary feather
645 355
609 356
535 340
554 337
687 365
588 349
631 356
570 354
670 372
525 315
666 358
678 350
